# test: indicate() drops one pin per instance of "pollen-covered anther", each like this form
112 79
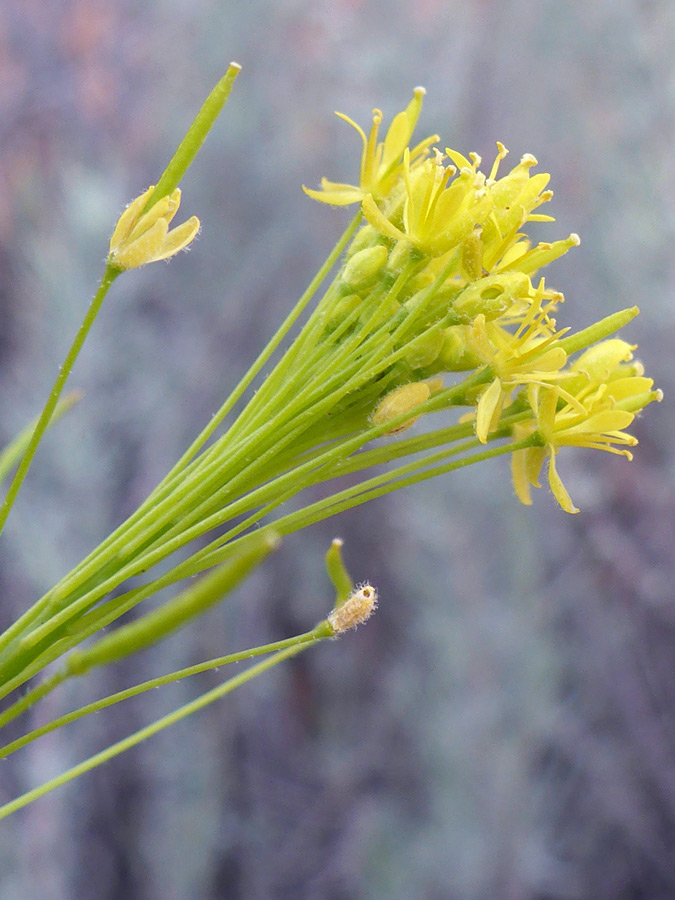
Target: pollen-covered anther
356 609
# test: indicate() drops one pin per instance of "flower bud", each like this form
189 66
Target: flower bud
144 237
399 401
471 258
424 350
364 238
362 268
342 308
456 353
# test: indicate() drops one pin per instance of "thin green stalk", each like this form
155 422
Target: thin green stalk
150 730
109 276
379 486
267 352
212 554
51 683
151 507
172 542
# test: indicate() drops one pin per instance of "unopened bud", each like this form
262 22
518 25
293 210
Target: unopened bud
343 308
362 268
456 353
364 238
424 350
399 401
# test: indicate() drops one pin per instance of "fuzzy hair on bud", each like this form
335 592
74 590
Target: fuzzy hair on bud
356 609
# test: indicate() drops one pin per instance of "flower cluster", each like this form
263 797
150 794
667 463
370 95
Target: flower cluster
444 276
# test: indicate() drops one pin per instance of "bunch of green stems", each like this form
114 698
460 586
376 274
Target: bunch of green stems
372 339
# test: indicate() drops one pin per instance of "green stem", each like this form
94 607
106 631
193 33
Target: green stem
150 730
51 683
150 509
109 276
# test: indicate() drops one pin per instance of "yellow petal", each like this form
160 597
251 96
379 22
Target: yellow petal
128 219
396 140
340 195
557 487
551 360
534 460
602 422
378 220
521 484
488 405
178 239
144 249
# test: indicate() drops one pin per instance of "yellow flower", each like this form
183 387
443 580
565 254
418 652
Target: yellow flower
525 357
514 199
380 161
144 237
595 418
438 214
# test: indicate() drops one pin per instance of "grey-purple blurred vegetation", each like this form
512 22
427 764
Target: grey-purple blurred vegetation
504 728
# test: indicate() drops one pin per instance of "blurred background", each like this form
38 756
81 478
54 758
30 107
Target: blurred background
504 728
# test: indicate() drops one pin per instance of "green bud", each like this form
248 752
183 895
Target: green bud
399 256
398 402
363 267
456 355
364 237
343 308
424 350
